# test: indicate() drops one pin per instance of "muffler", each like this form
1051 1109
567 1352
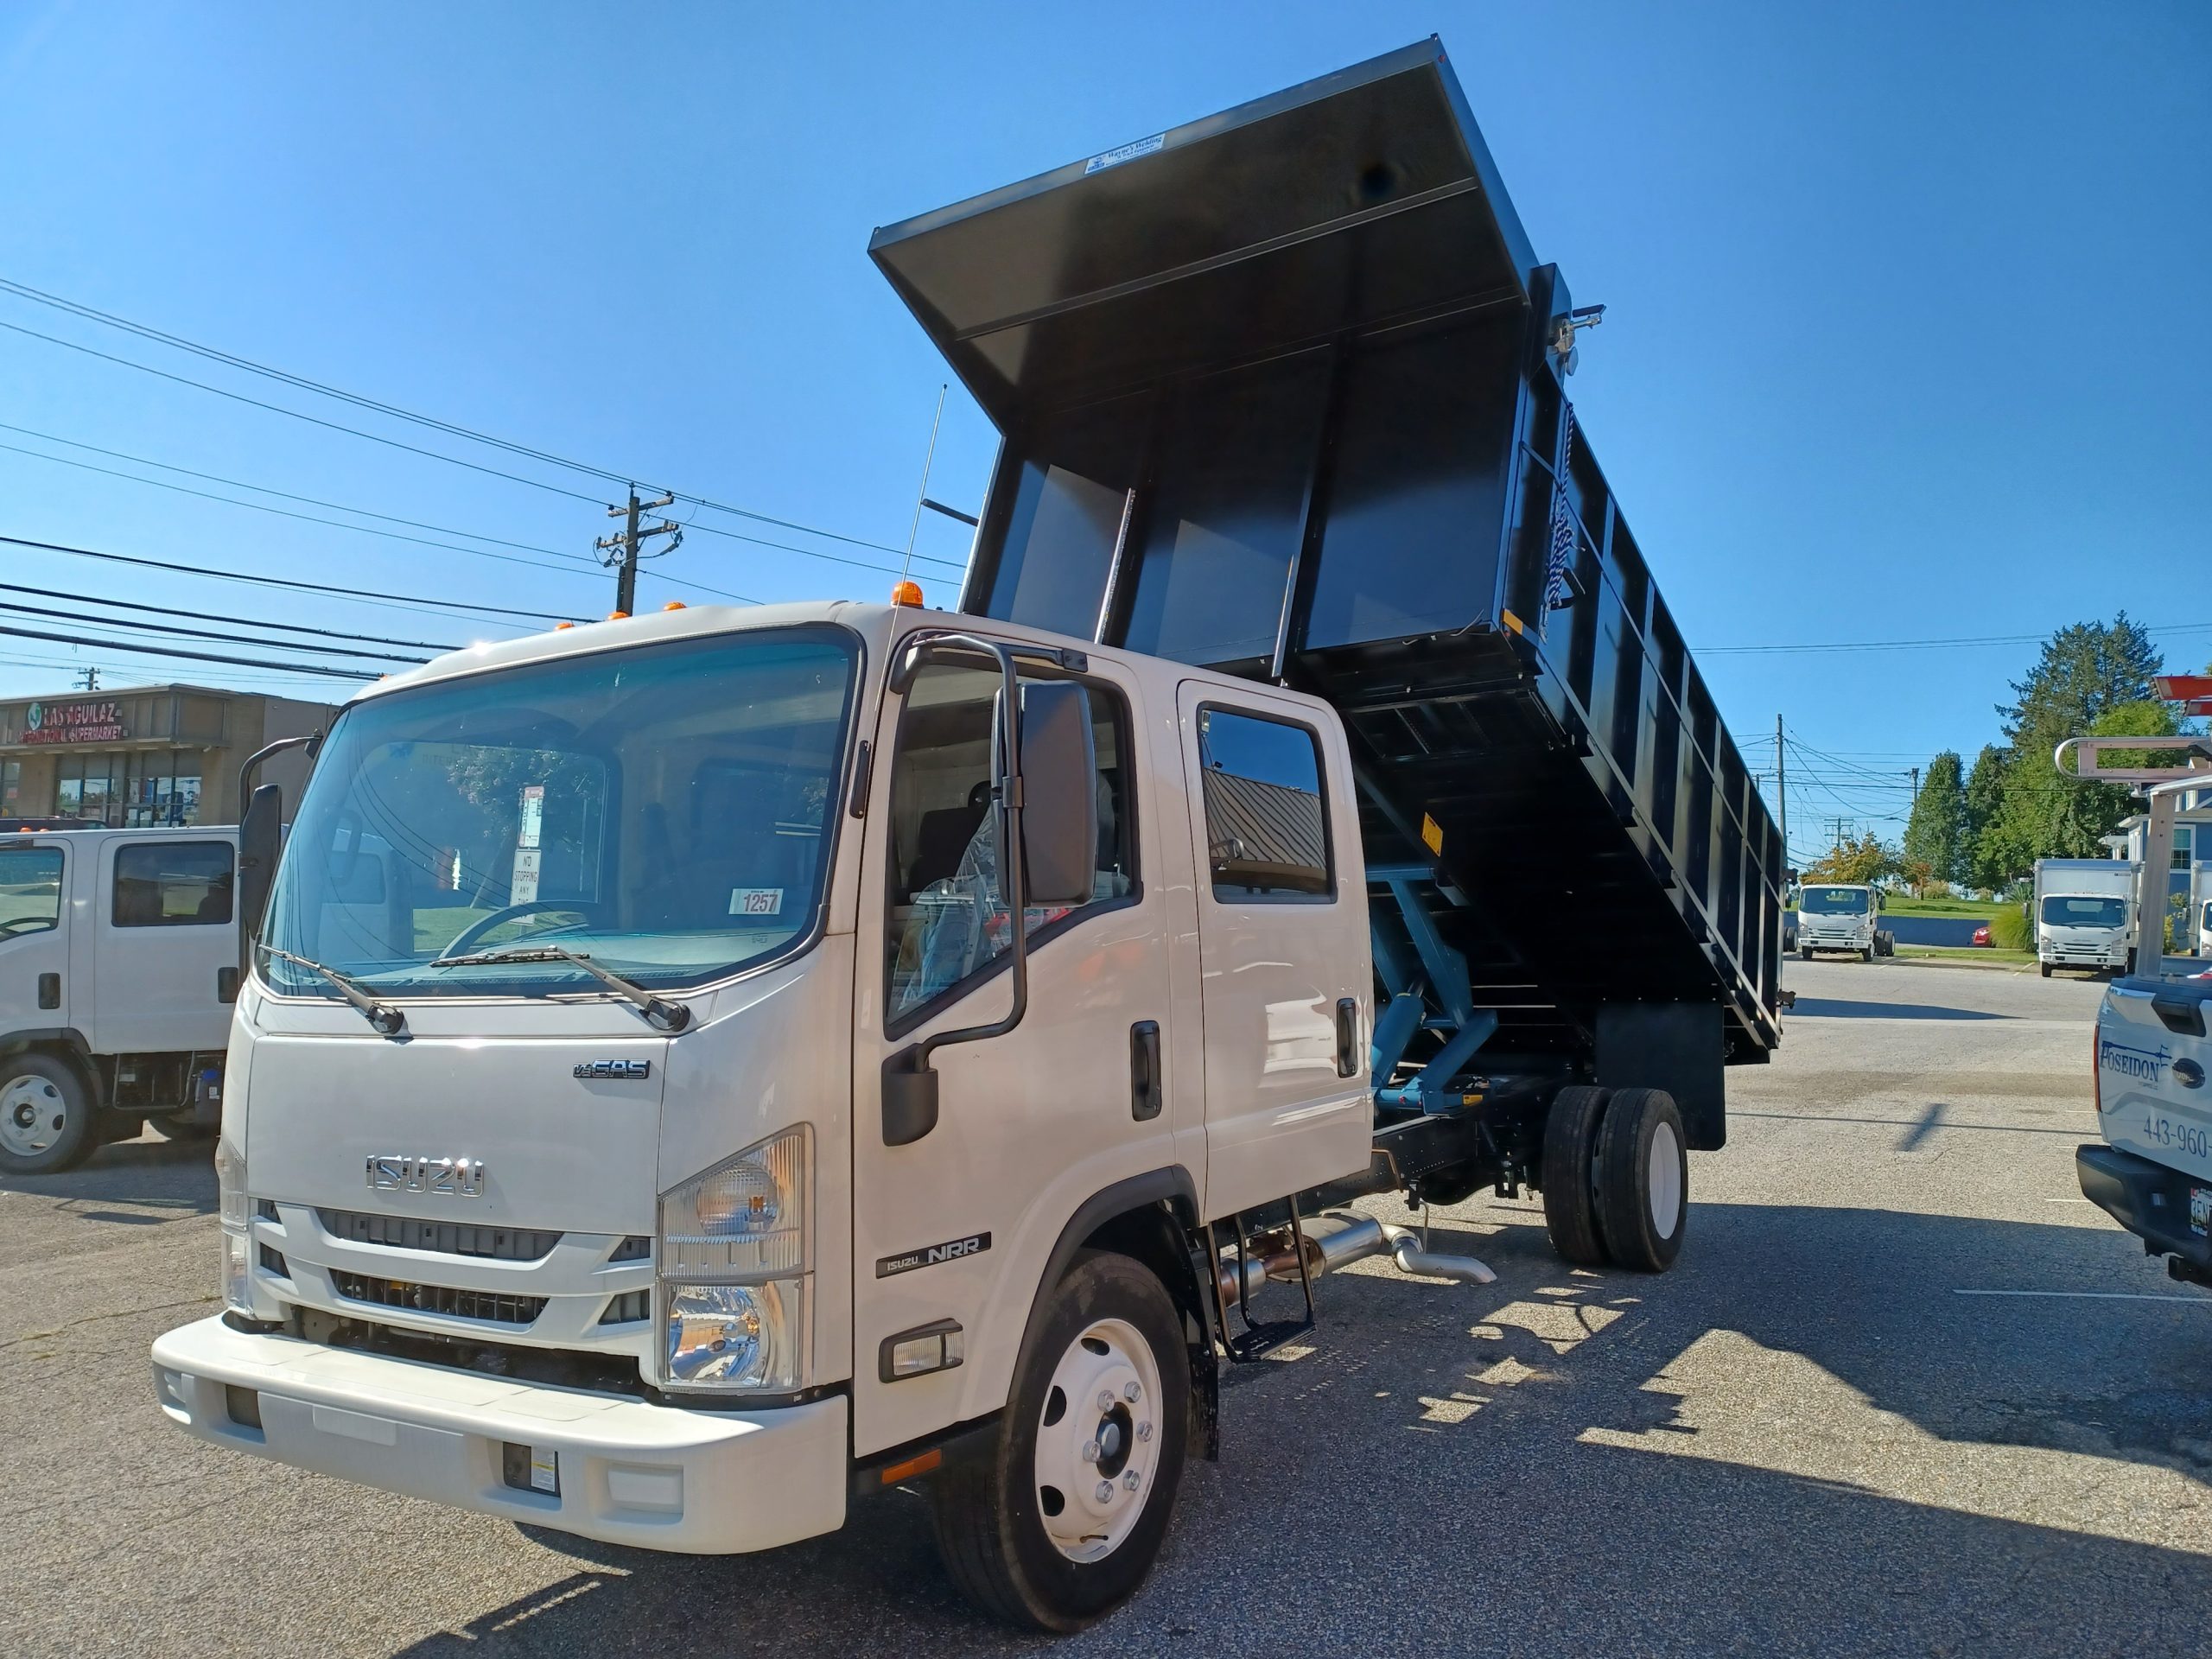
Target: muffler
1335 1239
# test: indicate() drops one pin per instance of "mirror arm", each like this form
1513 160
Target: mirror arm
312 742
910 1083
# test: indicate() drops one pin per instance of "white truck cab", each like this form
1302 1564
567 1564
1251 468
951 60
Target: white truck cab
118 965
2084 913
1840 916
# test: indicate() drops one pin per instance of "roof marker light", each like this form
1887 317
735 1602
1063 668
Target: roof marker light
907 593
557 626
675 605
618 616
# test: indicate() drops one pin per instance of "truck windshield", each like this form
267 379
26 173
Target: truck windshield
663 810
1833 901
2078 910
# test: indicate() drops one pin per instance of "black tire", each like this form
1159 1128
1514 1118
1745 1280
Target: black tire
1570 1149
1642 1210
1806 953
990 1512
2045 967
52 1125
182 1126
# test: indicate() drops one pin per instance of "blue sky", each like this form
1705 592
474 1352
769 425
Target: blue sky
1907 331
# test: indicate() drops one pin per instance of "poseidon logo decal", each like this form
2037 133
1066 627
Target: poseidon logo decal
457 1178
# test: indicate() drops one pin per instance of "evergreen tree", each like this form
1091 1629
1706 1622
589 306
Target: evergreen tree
2088 676
1937 834
1988 864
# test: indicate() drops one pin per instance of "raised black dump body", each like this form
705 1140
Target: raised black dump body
1282 392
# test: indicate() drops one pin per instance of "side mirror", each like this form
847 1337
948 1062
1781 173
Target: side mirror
1060 800
260 840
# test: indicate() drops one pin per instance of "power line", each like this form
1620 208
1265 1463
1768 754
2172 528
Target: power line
316 669
379 596
75 308
211 616
183 632
1922 645
263 489
76 665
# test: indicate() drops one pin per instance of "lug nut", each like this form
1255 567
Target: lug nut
1105 1491
1090 1452
1144 1431
1131 1393
1105 1400
1129 1480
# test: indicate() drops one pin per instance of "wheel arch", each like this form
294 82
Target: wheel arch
64 1043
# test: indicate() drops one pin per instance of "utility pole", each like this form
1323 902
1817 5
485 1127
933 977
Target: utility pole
91 678
1916 786
1782 789
622 551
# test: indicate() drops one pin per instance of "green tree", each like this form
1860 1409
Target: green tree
1937 834
2088 676
1854 862
1987 859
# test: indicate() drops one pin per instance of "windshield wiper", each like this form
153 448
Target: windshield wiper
385 1018
660 1012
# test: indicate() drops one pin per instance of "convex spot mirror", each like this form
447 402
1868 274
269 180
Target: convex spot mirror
1059 802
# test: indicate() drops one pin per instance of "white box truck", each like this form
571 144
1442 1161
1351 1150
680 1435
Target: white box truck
118 965
696 1069
2084 913
1841 915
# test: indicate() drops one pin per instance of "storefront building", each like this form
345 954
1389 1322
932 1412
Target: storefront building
162 755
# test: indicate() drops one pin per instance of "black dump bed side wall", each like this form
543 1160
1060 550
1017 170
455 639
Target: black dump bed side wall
1279 397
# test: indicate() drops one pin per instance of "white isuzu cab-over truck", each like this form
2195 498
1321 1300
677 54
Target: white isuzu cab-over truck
694 1068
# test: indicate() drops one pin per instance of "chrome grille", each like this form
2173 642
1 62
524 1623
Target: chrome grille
445 1238
491 1306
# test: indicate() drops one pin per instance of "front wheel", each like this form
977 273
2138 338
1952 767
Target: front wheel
2045 967
46 1116
1806 953
1060 1523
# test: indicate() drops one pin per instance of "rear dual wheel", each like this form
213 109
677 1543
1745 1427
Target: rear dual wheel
1058 1525
1616 1177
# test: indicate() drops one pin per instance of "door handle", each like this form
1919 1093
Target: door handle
49 990
226 984
1145 1095
1347 1036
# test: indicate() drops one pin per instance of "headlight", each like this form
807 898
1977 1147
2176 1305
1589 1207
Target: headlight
734 1336
732 1261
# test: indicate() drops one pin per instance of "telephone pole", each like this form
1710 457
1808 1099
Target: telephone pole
1782 789
622 551
91 678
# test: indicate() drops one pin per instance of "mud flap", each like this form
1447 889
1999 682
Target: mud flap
1677 1047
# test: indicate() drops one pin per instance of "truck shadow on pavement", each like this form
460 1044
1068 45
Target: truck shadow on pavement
1836 1007
1800 1441
170 1178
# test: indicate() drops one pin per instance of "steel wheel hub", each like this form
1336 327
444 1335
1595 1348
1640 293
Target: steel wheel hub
1664 1180
32 1115
1097 1440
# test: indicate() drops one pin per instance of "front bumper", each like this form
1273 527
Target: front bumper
2149 1200
631 1473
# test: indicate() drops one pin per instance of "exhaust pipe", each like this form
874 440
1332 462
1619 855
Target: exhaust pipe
1405 1249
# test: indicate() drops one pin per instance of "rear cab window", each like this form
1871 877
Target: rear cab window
1266 820
173 883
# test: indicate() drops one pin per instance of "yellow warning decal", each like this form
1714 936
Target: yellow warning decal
1510 620
1431 834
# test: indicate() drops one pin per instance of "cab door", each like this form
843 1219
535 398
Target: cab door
34 934
1283 949
957 1227
166 931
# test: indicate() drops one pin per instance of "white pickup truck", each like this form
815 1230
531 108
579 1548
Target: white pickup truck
2154 1172
1841 915
118 965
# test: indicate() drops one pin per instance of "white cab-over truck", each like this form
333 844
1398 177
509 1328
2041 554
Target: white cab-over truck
118 965
2084 913
1841 915
696 1069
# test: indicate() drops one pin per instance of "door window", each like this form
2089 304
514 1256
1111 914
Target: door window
30 890
945 923
173 883
1267 827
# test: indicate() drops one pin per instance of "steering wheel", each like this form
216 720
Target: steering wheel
460 942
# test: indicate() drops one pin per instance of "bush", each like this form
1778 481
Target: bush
2009 930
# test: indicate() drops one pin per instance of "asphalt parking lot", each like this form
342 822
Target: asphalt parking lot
1904 1393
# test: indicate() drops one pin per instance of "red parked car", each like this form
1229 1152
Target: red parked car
1982 935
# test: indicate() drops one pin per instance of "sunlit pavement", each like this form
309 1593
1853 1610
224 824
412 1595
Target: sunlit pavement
1818 1433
